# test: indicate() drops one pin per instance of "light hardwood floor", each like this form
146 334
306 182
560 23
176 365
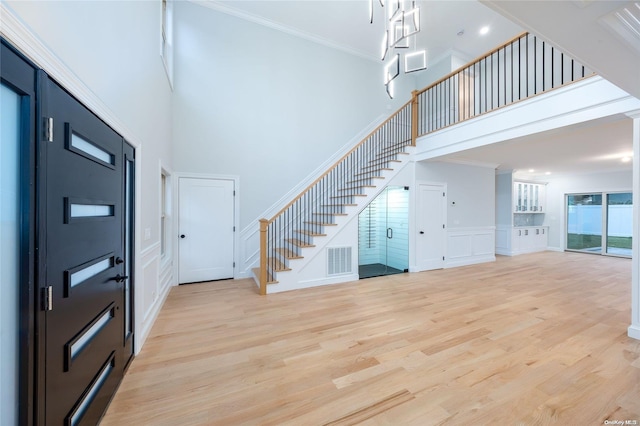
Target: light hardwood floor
532 339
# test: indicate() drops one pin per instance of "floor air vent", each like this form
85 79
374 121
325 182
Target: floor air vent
338 260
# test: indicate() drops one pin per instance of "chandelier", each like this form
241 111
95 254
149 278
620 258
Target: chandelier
402 23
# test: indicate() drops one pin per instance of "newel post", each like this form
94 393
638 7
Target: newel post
414 117
264 226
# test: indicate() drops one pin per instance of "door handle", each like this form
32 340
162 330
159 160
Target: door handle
120 278
119 261
182 236
389 233
421 232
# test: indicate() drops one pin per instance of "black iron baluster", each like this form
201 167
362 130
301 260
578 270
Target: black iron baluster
535 65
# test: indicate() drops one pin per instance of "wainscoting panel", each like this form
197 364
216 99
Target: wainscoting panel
155 281
468 246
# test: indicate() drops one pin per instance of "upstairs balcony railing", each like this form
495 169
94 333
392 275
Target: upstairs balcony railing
519 69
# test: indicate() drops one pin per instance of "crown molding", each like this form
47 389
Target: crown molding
232 11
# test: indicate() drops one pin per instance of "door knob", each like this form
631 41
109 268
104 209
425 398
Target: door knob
182 236
421 232
119 261
120 278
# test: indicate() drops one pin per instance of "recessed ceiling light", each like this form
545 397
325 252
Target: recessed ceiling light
626 159
484 30
547 173
461 33
531 170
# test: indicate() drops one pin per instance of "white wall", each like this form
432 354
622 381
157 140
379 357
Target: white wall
264 105
559 185
504 199
471 191
110 53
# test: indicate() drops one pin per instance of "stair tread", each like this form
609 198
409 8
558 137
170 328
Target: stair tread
365 179
320 223
378 161
374 170
348 188
330 214
340 205
299 243
276 265
310 233
289 254
270 280
398 148
390 154
348 195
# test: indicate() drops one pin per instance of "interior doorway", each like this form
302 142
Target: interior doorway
383 234
431 217
207 226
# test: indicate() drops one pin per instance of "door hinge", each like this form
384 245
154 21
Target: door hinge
443 194
48 129
442 257
234 193
443 226
234 264
234 229
47 298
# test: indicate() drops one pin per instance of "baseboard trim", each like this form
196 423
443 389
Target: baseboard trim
278 288
469 261
634 332
151 319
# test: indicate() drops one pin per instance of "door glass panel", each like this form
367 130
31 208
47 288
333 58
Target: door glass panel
128 244
384 234
91 210
584 222
9 253
90 149
90 271
90 333
86 400
619 223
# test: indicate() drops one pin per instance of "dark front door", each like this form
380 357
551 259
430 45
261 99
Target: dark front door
84 262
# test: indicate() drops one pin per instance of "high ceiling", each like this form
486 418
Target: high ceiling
345 24
591 147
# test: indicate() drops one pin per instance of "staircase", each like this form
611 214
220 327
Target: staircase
340 192
512 72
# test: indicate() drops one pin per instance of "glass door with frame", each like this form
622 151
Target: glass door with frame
599 223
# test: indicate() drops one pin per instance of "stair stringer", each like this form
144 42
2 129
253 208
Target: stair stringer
299 277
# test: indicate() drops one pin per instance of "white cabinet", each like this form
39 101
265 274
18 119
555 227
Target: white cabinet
529 197
540 238
527 239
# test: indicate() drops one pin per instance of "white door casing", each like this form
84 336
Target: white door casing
206 229
430 226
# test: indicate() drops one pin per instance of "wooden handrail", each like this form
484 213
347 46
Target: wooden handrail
468 64
337 163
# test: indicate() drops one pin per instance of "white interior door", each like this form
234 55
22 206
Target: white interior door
430 221
206 248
